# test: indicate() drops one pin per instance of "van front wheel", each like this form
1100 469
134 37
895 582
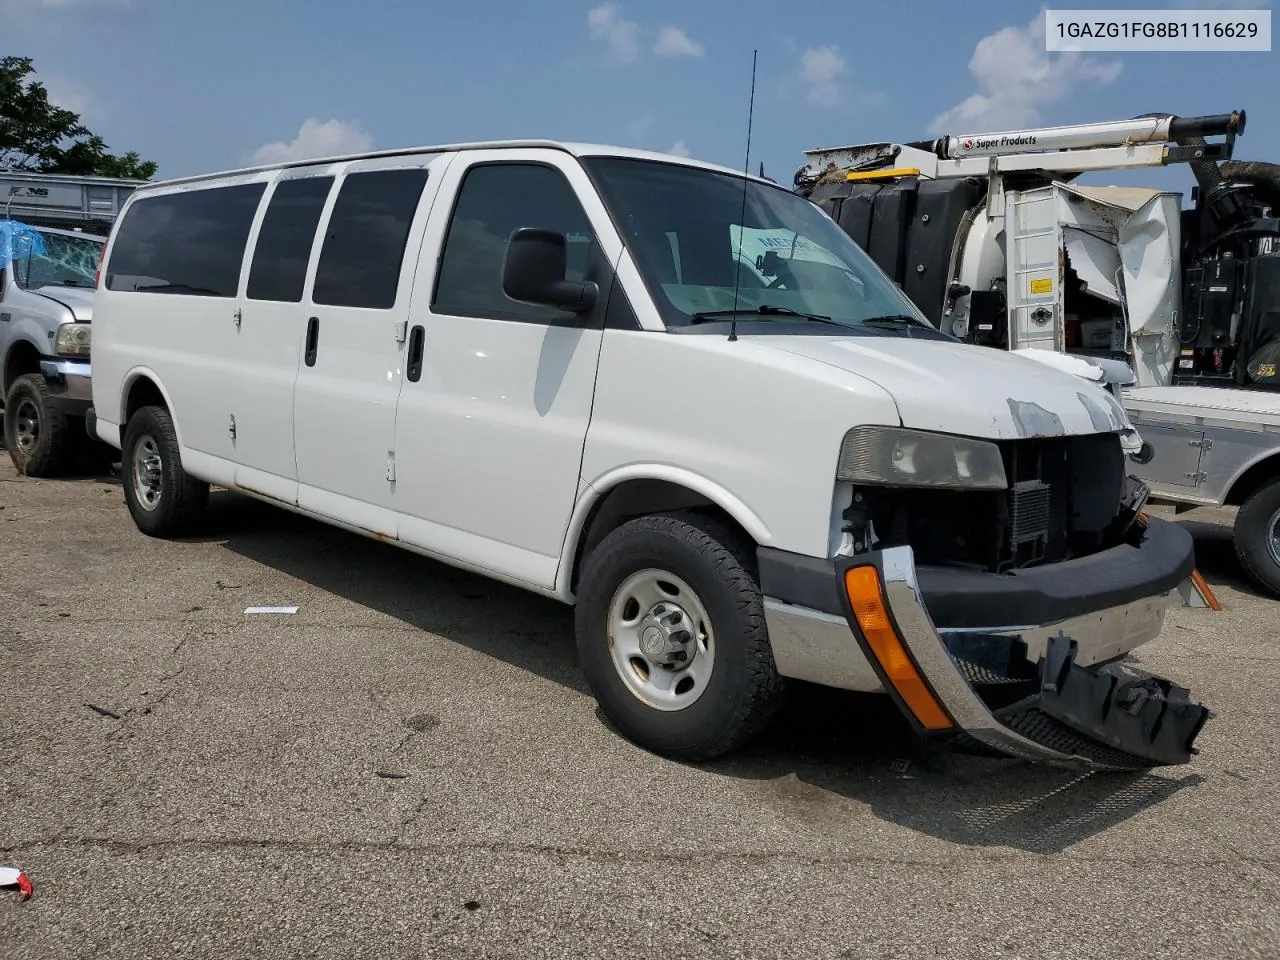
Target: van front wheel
164 500
672 639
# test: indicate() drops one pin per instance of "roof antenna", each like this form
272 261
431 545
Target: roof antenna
742 225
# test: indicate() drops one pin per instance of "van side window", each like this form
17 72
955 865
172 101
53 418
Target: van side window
190 242
496 199
283 248
364 242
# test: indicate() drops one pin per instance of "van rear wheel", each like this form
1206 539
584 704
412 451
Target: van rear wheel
164 500
672 639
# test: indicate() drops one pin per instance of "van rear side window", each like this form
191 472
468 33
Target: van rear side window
364 241
190 243
283 247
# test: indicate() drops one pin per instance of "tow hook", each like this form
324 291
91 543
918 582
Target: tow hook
11 877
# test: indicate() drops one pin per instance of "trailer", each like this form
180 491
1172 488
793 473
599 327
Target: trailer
1177 310
89 204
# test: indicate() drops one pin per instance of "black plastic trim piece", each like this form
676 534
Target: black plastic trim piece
1059 591
619 314
313 341
1136 713
799 579
413 370
965 598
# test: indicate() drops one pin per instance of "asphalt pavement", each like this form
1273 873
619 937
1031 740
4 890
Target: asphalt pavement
410 766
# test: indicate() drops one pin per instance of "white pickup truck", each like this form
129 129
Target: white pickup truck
547 363
52 229
46 306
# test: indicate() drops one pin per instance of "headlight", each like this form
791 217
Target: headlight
891 456
72 340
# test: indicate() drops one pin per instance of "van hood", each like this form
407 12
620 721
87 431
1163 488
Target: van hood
76 299
964 389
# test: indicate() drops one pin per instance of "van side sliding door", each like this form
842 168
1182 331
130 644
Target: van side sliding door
272 323
351 341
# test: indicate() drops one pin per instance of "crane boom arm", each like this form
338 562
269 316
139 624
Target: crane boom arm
1151 141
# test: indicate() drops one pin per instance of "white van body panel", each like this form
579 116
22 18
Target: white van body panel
489 440
969 390
344 407
693 406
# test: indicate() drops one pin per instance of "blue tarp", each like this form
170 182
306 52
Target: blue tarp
17 240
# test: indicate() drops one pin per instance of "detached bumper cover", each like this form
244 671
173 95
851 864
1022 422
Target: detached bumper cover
996 675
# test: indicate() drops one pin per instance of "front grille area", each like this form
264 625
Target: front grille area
1064 495
1029 521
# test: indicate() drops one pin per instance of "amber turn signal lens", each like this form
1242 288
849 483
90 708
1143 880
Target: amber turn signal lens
872 614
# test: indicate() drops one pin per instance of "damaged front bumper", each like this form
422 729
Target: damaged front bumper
1024 664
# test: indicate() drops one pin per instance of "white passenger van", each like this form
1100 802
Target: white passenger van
548 363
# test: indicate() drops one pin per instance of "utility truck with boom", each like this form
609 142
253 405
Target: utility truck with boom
1177 310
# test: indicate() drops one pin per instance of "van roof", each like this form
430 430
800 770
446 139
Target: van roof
574 148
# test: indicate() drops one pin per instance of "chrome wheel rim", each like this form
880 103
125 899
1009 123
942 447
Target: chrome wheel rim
1273 538
26 427
148 473
660 640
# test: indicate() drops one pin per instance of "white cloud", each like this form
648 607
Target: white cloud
316 139
66 94
622 36
679 149
674 42
822 69
1017 78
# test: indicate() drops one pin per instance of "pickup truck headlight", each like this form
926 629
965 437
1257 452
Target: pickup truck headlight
894 457
72 340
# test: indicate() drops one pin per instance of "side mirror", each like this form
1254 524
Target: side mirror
534 269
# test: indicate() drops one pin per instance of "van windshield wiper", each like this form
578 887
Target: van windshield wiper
766 309
895 320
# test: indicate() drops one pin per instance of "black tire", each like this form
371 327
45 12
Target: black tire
37 435
181 497
744 691
1254 523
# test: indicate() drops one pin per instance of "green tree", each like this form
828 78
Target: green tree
41 137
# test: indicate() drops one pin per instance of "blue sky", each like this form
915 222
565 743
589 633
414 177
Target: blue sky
200 86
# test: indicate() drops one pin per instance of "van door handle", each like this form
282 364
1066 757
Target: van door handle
313 341
414 369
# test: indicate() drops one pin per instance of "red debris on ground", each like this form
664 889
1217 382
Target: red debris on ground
10 877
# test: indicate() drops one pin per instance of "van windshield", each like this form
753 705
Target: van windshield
692 242
59 261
